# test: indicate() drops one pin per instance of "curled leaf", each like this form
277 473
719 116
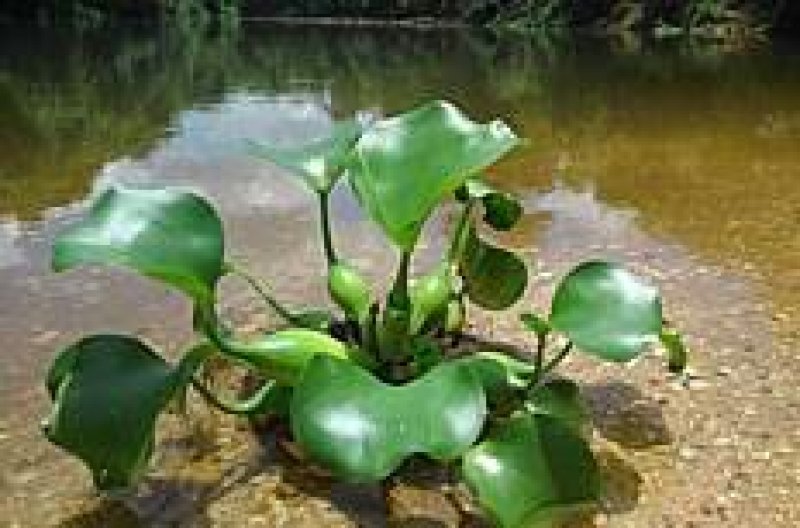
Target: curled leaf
494 278
405 165
319 163
501 210
167 234
108 391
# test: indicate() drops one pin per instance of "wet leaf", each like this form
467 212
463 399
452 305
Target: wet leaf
108 391
404 166
494 278
501 210
531 471
166 234
607 311
362 429
319 163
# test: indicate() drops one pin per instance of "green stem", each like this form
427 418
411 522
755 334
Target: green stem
541 341
325 223
399 296
553 363
269 299
258 403
457 241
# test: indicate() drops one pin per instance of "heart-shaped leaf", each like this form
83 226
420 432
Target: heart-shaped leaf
607 311
532 470
559 398
501 210
108 391
405 165
166 234
319 163
362 429
493 277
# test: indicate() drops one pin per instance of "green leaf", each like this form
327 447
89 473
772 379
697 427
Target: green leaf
429 296
501 210
282 355
108 391
500 374
607 311
560 398
535 323
426 352
404 166
493 278
166 234
362 429
677 352
532 471
319 163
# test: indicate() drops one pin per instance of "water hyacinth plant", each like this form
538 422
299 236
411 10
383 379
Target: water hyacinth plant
350 384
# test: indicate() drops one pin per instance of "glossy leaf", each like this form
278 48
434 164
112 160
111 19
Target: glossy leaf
404 166
531 471
499 374
559 398
501 210
319 163
282 355
494 278
607 311
429 296
362 429
677 352
108 391
166 234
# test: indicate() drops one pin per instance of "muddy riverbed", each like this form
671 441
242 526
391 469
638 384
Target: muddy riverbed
683 164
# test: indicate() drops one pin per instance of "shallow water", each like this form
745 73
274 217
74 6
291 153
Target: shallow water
684 161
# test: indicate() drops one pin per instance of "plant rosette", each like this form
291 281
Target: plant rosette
367 386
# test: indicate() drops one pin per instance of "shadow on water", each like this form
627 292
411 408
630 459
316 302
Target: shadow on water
623 414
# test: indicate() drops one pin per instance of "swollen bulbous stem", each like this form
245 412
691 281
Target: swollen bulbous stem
395 341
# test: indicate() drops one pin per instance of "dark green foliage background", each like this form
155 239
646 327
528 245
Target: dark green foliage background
778 14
